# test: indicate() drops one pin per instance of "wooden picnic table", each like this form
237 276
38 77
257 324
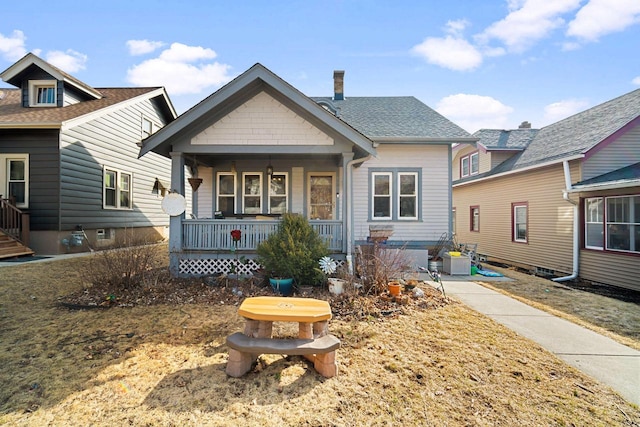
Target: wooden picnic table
314 341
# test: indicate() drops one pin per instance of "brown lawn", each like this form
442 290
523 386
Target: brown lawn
163 364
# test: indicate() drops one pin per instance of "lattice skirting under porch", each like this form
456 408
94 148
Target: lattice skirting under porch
205 267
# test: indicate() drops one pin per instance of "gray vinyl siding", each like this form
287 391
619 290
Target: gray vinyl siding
433 163
42 147
498 157
110 141
624 151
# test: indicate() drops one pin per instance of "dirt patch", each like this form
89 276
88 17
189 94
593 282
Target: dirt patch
163 364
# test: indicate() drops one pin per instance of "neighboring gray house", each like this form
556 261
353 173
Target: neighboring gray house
261 148
70 177
563 200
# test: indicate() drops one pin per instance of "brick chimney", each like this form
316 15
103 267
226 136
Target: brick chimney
338 85
525 125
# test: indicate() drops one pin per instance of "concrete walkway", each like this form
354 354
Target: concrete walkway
602 358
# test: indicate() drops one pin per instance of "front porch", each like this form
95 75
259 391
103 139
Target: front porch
207 247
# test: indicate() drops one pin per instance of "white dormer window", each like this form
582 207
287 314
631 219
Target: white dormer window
42 93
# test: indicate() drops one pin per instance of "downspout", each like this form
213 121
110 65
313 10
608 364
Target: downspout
349 208
576 229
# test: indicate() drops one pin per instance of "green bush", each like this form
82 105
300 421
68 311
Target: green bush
294 251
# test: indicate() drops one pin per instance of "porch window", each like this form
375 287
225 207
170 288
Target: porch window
226 193
475 218
251 193
519 219
594 223
278 193
408 195
382 195
117 189
42 93
15 178
623 223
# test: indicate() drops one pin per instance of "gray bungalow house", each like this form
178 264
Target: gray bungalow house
259 148
563 201
70 177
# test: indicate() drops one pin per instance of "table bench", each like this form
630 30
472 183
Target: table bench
313 342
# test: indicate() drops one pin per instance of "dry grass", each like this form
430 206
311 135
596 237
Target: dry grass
164 365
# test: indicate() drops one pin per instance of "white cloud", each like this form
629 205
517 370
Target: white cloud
636 81
140 47
563 109
449 52
455 28
474 112
528 22
12 47
181 69
601 17
69 61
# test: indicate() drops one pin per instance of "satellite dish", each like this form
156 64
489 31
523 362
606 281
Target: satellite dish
174 204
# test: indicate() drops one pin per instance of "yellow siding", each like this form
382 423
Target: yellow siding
610 268
550 218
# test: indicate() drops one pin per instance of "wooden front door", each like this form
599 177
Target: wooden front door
322 191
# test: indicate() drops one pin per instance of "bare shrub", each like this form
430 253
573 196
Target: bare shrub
377 265
124 265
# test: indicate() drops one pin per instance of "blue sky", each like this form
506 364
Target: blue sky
481 63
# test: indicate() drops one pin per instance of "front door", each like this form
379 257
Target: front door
322 190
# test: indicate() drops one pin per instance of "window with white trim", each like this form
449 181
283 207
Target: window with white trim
278 193
14 178
381 198
408 195
251 193
147 127
117 189
469 165
395 195
519 219
226 189
594 223
623 223
42 93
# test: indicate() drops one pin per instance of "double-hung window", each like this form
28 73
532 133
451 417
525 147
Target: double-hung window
594 223
395 195
469 165
519 221
251 193
226 193
14 178
474 215
117 189
147 127
42 93
278 192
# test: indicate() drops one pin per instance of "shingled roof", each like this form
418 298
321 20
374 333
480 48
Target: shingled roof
396 117
581 132
13 114
499 139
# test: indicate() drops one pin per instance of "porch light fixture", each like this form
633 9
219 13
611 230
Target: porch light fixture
269 168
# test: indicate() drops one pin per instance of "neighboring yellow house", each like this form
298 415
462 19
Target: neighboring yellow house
563 200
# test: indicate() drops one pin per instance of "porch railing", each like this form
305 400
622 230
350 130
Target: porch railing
215 234
14 222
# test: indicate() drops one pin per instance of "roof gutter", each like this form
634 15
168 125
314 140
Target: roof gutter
349 205
611 185
519 170
416 139
576 231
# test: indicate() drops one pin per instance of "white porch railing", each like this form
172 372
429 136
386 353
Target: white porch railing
215 234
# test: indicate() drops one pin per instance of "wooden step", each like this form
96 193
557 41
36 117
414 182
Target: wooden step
10 248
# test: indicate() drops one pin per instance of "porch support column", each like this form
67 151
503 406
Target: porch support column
345 199
175 222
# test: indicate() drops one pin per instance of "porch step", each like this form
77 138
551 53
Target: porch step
10 248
